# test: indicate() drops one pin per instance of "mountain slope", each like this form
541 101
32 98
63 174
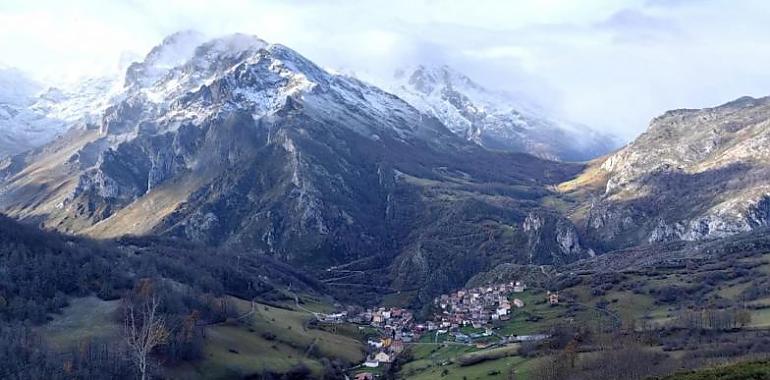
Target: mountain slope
242 143
495 119
694 174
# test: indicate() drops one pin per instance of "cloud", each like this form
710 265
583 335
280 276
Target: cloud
635 26
610 64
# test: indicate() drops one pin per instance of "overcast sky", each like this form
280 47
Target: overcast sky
611 64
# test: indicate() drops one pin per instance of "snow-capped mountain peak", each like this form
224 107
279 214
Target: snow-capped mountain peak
173 51
16 87
494 119
32 115
428 79
246 73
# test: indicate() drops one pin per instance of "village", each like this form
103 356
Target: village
464 317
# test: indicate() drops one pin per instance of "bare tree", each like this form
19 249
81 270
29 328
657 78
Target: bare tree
145 329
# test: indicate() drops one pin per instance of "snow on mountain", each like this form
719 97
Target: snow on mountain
245 72
495 119
31 116
15 87
20 127
172 52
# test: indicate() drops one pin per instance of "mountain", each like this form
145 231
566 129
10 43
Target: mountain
494 119
241 143
18 129
694 174
31 116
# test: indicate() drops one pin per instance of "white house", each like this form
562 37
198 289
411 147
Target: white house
382 357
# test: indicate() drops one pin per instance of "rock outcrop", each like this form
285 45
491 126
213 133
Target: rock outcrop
695 174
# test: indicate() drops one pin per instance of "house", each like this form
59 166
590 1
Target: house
382 357
375 343
519 287
397 346
518 303
364 376
553 298
371 363
531 338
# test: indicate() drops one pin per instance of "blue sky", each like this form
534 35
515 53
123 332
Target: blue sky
612 65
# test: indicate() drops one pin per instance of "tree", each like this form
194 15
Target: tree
144 330
570 352
743 317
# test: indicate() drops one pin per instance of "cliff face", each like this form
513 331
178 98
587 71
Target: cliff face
694 174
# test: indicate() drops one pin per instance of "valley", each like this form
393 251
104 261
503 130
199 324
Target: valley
229 209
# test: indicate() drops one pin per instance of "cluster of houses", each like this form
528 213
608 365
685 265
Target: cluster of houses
476 307
397 328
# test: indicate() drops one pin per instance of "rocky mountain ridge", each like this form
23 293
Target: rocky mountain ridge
695 174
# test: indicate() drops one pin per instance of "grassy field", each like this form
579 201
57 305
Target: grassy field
271 339
443 362
740 371
400 299
85 318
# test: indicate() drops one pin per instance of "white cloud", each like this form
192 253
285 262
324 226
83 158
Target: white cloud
611 64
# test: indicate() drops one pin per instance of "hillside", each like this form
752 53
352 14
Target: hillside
69 296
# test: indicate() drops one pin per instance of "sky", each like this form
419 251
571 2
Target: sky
610 64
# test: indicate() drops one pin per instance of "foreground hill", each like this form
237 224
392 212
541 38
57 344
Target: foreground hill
63 301
41 270
237 142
